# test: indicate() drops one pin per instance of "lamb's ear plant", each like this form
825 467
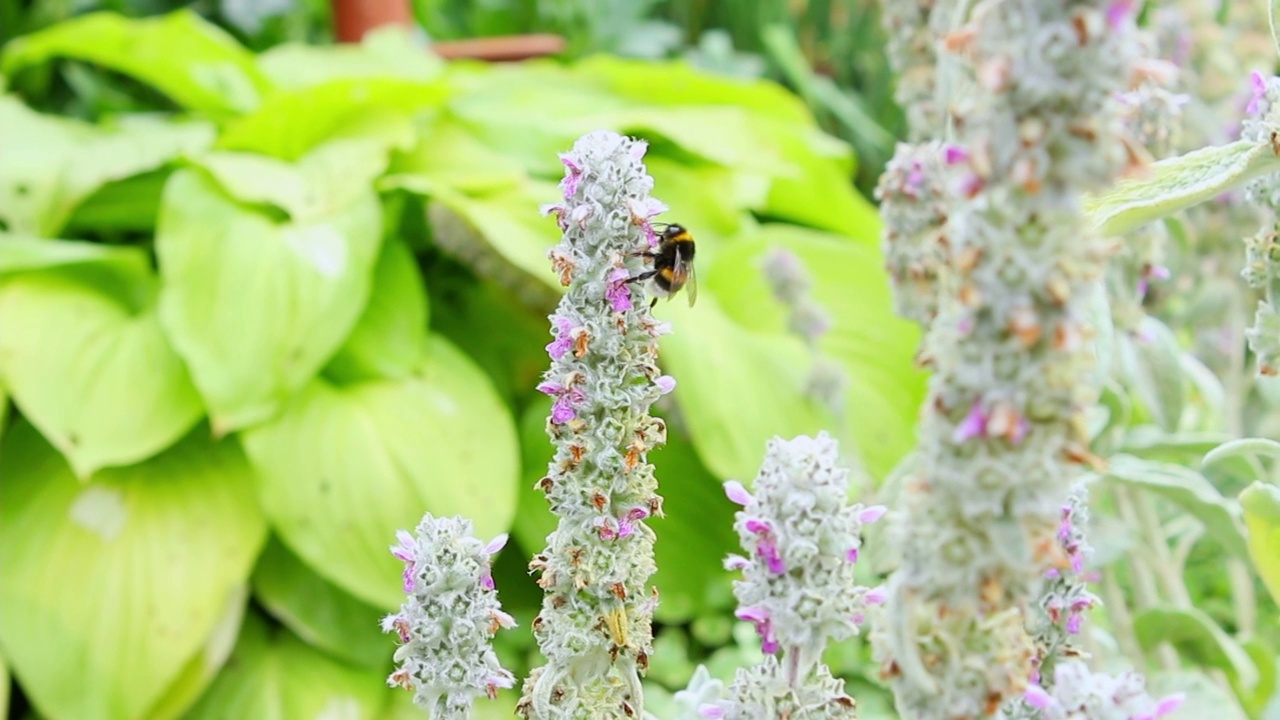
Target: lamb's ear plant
1003 432
595 624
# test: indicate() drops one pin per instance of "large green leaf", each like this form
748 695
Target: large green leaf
317 611
21 253
276 676
390 51
388 340
344 467
874 346
48 165
120 582
84 356
1261 505
334 175
1198 638
1187 489
195 63
693 538
1151 366
256 305
449 155
736 388
291 123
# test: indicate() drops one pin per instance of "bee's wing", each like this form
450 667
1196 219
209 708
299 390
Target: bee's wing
691 280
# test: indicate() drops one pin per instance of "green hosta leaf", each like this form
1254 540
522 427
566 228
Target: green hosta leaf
344 467
201 669
121 206
1197 638
276 676
683 84
693 538
874 346
4 688
449 155
49 165
529 111
21 253
1261 505
702 198
387 341
332 176
196 64
84 356
1188 490
317 611
819 193
129 574
736 388
291 123
1180 182
387 52
1151 366
254 305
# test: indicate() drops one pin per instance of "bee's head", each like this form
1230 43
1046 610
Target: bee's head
673 231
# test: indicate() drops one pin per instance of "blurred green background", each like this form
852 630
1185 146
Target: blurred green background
265 299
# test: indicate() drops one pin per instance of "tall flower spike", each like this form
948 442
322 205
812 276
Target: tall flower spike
999 436
1079 694
594 627
801 536
446 624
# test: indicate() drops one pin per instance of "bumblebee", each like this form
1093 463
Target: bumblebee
672 266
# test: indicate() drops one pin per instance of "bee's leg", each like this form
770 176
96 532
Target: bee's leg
654 303
642 276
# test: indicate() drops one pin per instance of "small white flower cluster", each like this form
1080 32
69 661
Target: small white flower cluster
447 622
1079 694
802 536
595 624
912 55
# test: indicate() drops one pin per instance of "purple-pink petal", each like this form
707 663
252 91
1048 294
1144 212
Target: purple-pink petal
736 562
562 410
1038 697
1170 703
737 493
757 526
618 294
711 711
974 425
955 155
407 576
1119 11
564 341
752 614
403 551
876 595
551 388
851 555
665 384
769 551
496 544
1259 85
1074 621
872 514
486 580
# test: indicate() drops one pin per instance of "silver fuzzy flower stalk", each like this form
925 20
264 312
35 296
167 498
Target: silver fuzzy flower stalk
914 202
792 286
1262 250
595 624
802 537
447 623
1003 431
912 50
1079 694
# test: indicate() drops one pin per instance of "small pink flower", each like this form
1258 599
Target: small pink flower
736 562
607 528
737 493
758 526
563 342
665 384
562 410
851 555
503 619
495 545
618 294
768 549
1074 621
711 711
1170 703
876 595
403 551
